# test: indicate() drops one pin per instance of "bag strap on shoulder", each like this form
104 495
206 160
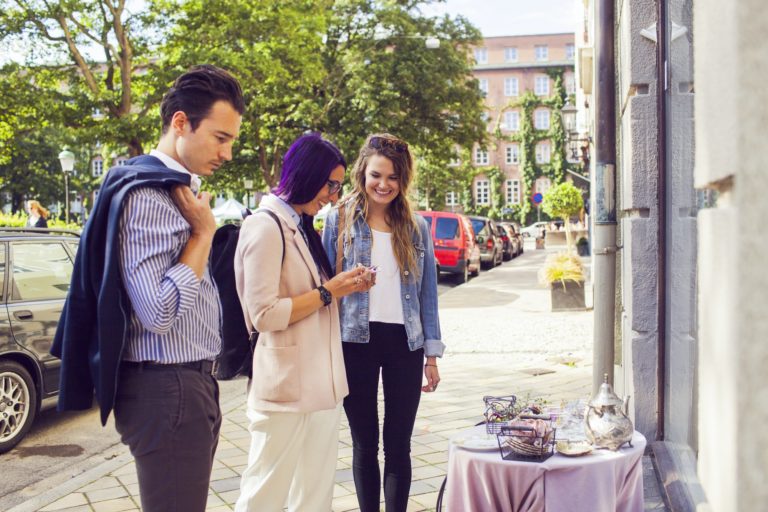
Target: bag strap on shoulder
339 239
279 227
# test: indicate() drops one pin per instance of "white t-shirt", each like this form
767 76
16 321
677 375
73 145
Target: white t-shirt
386 303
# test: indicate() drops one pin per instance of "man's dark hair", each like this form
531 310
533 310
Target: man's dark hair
195 92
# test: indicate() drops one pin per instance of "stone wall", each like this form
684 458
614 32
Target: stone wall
637 177
731 111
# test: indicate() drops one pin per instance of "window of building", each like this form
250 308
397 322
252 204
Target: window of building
542 153
481 55
543 185
451 198
542 52
570 84
97 167
483 85
541 119
570 51
512 154
513 191
483 192
510 54
481 157
121 160
511 86
512 120
541 85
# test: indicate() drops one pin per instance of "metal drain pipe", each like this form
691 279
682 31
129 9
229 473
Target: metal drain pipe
604 195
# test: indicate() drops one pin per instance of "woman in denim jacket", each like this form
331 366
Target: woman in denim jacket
393 329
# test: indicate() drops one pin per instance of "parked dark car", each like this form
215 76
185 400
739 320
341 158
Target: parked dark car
513 231
491 244
456 249
35 272
508 244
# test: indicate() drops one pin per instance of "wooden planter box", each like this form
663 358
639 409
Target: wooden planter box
568 297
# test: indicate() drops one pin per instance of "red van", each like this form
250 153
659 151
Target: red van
456 248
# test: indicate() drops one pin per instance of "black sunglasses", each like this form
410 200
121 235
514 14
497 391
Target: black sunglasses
383 142
333 186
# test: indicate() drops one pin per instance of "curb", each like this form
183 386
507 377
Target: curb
93 474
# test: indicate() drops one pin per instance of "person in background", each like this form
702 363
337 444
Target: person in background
288 293
393 329
38 216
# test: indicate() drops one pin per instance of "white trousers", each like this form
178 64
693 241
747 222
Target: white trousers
293 456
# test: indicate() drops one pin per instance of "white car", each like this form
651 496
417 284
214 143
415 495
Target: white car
534 229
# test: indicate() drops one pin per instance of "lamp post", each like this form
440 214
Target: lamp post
67 159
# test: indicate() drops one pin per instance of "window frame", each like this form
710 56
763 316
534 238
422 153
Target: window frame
483 189
509 90
541 52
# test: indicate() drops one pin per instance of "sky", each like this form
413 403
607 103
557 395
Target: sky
513 17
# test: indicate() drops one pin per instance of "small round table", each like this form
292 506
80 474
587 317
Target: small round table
603 481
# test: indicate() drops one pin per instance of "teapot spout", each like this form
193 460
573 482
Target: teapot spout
626 405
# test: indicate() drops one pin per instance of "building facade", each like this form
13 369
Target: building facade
510 69
690 109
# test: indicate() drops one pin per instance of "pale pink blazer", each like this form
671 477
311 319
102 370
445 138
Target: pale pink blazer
297 367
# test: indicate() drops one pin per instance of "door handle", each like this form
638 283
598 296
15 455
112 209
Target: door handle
24 314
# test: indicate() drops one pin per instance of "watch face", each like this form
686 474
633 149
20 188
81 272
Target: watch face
325 295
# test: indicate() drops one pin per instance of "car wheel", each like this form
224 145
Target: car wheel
499 258
18 404
463 276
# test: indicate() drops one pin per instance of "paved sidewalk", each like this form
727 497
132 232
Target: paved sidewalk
502 339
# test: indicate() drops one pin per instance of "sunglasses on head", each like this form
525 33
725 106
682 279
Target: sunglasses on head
383 142
333 186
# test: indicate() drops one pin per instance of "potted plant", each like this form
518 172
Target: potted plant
564 274
562 201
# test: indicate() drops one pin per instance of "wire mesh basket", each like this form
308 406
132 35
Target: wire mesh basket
498 411
525 443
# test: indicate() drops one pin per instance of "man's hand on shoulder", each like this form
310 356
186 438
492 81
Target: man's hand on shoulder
195 210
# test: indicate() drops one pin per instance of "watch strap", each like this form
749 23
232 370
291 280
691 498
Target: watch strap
325 295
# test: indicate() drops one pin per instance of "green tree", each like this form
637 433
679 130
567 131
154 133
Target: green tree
344 68
100 52
563 201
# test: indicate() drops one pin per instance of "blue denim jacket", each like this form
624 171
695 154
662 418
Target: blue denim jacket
419 297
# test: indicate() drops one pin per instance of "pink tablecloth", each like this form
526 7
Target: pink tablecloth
604 481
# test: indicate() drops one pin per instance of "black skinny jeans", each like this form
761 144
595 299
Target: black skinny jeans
401 373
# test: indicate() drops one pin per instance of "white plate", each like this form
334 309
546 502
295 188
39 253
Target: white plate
477 443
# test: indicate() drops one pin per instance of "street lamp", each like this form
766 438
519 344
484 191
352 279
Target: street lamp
67 159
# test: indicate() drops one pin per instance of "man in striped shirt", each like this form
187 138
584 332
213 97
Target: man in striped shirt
167 402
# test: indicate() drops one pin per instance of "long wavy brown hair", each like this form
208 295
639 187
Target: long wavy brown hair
399 216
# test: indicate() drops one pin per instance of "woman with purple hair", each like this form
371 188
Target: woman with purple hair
289 294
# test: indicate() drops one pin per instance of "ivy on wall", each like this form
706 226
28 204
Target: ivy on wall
528 137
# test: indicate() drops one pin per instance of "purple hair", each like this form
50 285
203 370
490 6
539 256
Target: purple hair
306 168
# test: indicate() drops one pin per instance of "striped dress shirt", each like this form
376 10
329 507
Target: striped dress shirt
175 317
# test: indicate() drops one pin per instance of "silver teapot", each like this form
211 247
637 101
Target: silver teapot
606 420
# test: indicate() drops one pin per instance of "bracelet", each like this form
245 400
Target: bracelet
430 365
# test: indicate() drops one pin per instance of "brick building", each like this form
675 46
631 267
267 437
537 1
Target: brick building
506 67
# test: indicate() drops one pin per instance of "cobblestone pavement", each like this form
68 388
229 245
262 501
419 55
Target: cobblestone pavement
502 339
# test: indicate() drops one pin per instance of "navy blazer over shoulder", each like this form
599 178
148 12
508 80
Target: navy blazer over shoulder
92 330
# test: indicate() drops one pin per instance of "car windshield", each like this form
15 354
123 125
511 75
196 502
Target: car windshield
478 225
429 221
446 228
